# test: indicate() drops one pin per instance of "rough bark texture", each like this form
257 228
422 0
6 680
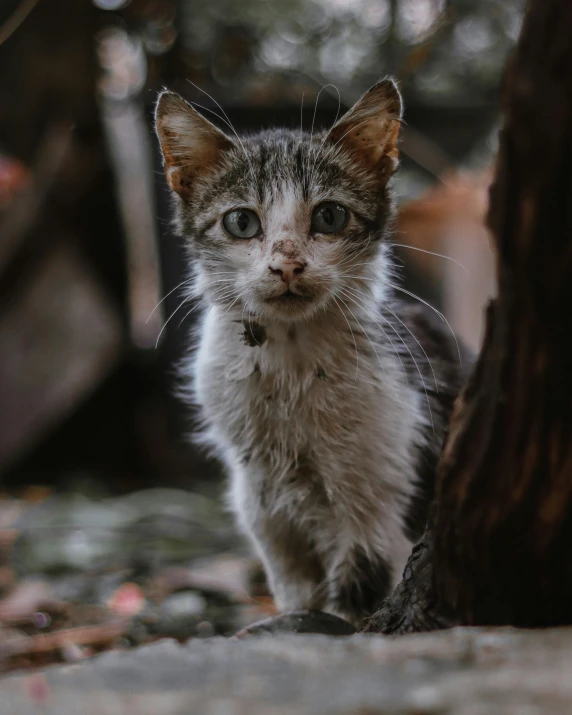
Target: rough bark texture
412 607
503 527
501 536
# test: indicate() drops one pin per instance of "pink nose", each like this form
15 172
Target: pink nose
286 268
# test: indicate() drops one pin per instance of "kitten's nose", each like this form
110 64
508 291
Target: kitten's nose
286 268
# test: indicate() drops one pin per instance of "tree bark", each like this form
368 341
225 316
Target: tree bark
500 538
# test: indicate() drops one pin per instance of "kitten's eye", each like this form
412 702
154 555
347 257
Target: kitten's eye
329 217
242 223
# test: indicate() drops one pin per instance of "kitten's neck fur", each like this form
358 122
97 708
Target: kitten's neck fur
325 340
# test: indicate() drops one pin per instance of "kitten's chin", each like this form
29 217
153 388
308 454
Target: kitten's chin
289 307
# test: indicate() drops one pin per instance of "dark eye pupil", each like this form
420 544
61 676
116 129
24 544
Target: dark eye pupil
328 217
242 221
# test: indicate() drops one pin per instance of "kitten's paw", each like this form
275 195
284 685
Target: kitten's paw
300 622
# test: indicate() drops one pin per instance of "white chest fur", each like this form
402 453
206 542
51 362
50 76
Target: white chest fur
318 429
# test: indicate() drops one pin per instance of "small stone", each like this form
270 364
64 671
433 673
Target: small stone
183 604
41 619
205 629
300 622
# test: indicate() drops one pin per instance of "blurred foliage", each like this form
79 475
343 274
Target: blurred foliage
443 49
448 51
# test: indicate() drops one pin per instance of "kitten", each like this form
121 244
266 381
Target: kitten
314 381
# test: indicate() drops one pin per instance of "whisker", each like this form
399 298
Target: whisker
431 253
348 288
352 334
238 297
250 326
171 318
221 280
230 125
417 368
330 151
414 362
416 340
166 296
438 312
242 314
316 106
363 278
352 256
212 111
403 324
355 265
355 255
187 315
222 289
312 173
367 335
217 295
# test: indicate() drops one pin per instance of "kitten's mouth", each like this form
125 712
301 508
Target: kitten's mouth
291 306
289 298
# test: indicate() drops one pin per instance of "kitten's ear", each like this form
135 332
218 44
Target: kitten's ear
369 130
190 144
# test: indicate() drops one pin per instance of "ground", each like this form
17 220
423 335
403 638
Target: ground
129 605
460 672
81 573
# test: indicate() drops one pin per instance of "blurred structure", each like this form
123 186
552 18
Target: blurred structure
448 222
86 254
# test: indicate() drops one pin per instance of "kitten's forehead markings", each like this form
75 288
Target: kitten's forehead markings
283 208
285 221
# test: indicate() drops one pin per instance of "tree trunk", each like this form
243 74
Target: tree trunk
498 549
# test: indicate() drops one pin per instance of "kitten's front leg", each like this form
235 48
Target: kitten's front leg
358 581
295 573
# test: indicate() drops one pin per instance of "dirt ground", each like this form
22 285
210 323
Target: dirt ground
81 574
460 672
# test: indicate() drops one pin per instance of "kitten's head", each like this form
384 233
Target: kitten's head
283 223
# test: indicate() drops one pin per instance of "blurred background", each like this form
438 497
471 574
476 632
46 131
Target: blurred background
103 496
